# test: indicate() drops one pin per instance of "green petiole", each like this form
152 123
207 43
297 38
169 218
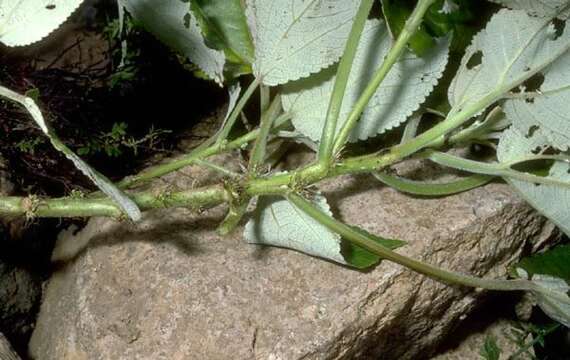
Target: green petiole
433 189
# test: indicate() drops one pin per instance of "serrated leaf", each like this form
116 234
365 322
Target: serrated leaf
511 49
224 27
277 222
550 200
548 8
23 22
173 24
296 38
104 184
403 90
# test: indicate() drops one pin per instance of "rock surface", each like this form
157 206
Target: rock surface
501 332
171 288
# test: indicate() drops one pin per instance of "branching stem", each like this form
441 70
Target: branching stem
329 130
397 49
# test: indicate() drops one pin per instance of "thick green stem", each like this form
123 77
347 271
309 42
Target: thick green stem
274 184
435 273
409 30
33 206
341 82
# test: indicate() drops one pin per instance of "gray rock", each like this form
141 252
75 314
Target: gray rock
171 288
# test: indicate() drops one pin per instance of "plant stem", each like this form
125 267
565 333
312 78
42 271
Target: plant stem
411 27
434 134
433 272
277 184
496 169
222 170
264 98
260 147
229 124
535 340
198 153
341 81
81 207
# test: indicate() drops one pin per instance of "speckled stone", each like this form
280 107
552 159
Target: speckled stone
171 288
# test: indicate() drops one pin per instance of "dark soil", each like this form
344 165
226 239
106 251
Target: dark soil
162 98
72 77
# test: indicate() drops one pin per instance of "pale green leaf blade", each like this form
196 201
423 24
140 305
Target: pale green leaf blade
23 22
549 270
551 295
173 24
511 49
277 222
401 93
545 8
550 200
224 26
545 110
296 38
555 302
104 184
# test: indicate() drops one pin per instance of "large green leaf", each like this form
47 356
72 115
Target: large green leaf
173 24
405 87
224 27
512 48
551 200
277 222
296 38
23 22
396 12
551 271
553 262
